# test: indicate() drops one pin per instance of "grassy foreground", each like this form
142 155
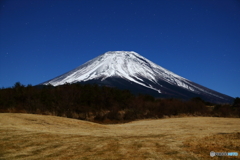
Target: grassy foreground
28 136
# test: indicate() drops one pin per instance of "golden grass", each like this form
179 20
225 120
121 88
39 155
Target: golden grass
27 136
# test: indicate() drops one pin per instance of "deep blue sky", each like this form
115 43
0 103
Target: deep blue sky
196 39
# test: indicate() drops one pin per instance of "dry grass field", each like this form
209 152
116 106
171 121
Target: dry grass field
28 136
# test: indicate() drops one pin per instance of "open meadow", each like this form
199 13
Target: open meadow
29 136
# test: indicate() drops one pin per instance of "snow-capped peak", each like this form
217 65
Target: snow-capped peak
125 64
130 66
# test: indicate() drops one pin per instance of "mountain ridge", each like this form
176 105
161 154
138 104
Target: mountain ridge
130 67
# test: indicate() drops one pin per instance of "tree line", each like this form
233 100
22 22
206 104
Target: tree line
104 104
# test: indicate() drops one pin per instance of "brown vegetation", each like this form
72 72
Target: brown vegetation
27 136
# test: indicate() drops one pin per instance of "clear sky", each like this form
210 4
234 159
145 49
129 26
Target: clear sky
196 39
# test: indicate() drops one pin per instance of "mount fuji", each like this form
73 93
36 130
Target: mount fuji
129 70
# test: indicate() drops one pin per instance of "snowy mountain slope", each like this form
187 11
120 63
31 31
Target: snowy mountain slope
134 68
